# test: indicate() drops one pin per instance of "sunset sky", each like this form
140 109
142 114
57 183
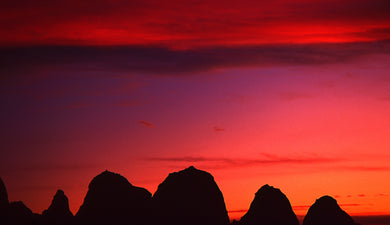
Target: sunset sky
295 94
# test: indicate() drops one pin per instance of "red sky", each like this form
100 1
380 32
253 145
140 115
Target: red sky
184 24
290 93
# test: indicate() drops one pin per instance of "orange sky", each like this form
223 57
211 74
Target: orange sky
294 94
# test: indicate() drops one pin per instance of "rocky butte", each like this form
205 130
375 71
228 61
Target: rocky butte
270 207
326 211
58 212
189 197
111 199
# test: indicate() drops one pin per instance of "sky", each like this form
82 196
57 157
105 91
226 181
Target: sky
295 94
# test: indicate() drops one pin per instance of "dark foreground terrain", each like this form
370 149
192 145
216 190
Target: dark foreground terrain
187 197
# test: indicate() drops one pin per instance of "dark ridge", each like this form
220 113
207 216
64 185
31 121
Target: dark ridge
19 214
270 207
189 197
326 211
58 212
3 198
112 200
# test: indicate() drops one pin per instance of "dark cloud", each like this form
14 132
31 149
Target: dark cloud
347 205
291 96
366 168
129 103
145 123
46 61
305 207
224 162
359 10
69 20
301 207
39 167
218 129
379 32
238 211
268 159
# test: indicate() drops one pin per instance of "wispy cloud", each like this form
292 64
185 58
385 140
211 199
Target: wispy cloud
365 168
291 96
238 211
128 103
305 207
29 61
225 162
218 129
38 167
146 123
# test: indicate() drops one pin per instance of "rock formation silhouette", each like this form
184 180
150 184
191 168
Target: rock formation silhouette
3 196
58 212
3 202
326 211
19 214
270 207
189 197
14 213
112 200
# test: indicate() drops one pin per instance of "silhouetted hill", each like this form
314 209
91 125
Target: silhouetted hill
3 202
19 214
58 212
3 196
270 207
326 211
189 197
112 200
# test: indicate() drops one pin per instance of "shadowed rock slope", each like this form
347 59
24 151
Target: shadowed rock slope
270 207
58 212
189 197
3 202
14 213
3 197
326 211
112 200
19 214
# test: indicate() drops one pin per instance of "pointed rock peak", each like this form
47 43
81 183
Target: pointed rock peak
191 168
60 192
3 195
60 197
326 211
59 205
58 212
